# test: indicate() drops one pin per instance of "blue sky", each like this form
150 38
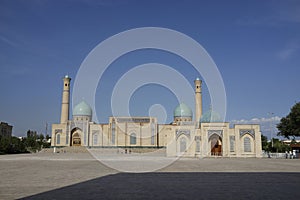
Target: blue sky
255 45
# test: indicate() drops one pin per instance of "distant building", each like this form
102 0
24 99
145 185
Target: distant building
5 129
205 136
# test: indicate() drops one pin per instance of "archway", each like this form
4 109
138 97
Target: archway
76 137
216 145
182 144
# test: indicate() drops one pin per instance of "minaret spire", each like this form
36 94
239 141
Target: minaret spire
65 104
198 99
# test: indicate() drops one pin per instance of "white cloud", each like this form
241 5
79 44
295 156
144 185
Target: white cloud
8 41
290 50
267 125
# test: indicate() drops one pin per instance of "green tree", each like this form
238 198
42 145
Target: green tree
279 146
4 144
289 126
12 145
48 137
41 137
264 143
16 146
31 141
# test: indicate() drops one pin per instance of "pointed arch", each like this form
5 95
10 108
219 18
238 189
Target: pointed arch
182 144
215 142
58 139
247 144
133 139
76 134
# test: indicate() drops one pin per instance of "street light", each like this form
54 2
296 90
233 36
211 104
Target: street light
271 128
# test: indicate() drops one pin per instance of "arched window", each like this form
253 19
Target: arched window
133 138
182 144
95 139
152 134
247 144
197 145
58 139
113 132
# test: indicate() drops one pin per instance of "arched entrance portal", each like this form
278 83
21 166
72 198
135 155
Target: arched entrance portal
216 145
182 145
76 137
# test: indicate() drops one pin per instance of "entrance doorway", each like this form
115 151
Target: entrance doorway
76 137
76 140
216 145
182 145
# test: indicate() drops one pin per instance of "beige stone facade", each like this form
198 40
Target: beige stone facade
203 137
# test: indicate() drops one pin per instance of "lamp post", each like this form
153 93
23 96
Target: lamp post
271 128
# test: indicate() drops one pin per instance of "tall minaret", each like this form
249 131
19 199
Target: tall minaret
65 100
198 99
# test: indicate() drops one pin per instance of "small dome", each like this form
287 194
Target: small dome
82 109
210 116
182 110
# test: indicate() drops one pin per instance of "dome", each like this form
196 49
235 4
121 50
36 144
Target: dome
210 116
182 110
82 109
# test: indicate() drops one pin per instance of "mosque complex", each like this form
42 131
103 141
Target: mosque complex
205 136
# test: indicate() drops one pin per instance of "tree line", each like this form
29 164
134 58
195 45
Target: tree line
32 143
288 127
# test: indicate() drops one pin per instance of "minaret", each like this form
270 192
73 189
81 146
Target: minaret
198 99
65 100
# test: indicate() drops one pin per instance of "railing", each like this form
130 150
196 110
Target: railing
274 155
216 154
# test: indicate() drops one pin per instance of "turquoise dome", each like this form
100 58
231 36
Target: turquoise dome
210 116
182 110
82 109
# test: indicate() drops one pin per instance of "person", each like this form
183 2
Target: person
291 155
286 155
294 153
269 156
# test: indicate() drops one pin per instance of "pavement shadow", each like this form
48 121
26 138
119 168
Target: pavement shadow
182 186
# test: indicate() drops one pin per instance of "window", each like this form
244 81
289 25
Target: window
182 144
232 141
133 138
95 139
152 134
197 145
113 132
247 144
58 139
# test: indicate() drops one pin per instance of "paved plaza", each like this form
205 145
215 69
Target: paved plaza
81 176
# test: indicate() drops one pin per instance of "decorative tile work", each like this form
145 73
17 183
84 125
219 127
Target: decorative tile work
247 131
197 138
95 132
232 143
183 131
217 132
58 131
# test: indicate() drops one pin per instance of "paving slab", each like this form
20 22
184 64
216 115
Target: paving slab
81 176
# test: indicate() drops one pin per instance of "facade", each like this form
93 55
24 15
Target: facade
205 136
5 129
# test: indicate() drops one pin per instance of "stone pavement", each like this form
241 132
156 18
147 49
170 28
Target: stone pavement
81 176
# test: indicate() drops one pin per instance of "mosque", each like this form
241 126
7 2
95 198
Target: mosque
205 136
